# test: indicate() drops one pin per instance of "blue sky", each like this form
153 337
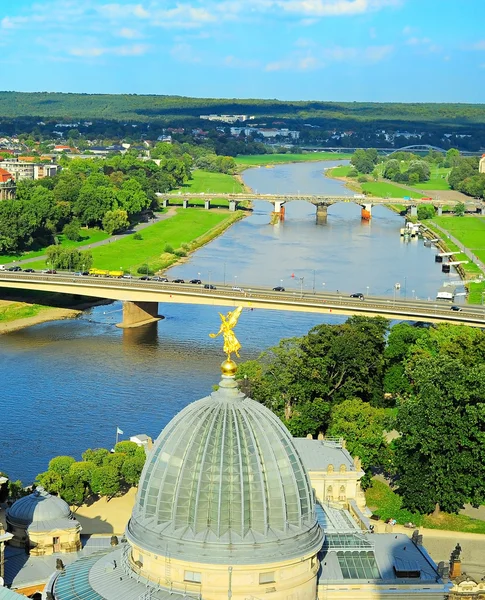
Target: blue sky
362 50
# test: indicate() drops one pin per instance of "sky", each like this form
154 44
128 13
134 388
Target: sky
341 50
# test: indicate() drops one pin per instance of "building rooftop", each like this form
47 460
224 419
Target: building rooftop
317 455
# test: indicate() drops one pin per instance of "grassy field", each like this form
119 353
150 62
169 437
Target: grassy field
387 504
437 181
342 171
206 182
16 311
270 159
183 228
380 189
89 236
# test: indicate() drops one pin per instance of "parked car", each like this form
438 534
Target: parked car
127 276
278 288
236 288
209 286
50 271
84 273
357 295
198 281
178 281
456 308
145 278
14 269
29 271
157 278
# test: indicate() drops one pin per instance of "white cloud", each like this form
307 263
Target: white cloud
95 52
240 63
479 45
334 8
129 34
415 41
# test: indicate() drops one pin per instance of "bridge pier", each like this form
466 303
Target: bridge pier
366 212
166 203
278 206
414 211
232 205
440 211
322 211
481 211
136 314
207 204
185 203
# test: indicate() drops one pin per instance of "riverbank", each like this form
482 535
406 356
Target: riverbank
262 160
19 315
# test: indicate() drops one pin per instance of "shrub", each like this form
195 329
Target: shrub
362 179
168 249
179 252
145 270
353 173
137 236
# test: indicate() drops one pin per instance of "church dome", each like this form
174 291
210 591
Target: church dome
224 483
38 508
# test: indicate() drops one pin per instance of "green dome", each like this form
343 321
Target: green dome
224 483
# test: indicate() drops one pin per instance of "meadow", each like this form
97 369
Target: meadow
205 182
381 189
270 159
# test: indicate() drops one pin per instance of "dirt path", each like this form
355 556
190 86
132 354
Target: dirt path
114 238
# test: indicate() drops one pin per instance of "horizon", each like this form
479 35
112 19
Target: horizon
382 51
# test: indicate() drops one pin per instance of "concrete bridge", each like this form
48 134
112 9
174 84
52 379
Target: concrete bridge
321 202
141 298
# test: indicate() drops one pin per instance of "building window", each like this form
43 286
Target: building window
192 576
266 577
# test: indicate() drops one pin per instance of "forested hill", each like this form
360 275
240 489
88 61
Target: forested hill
135 108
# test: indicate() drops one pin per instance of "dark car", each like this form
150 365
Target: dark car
178 281
198 281
456 308
29 271
50 271
209 286
14 269
357 295
85 273
278 288
145 278
157 278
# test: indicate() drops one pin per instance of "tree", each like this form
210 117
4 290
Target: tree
132 468
61 464
115 221
363 161
440 456
71 230
452 157
362 426
460 209
426 211
105 481
95 456
50 481
126 447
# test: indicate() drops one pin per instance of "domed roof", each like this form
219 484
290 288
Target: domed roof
224 483
39 508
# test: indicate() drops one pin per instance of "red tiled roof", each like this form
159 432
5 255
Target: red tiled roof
5 176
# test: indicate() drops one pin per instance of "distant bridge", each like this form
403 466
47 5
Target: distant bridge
322 202
411 148
141 299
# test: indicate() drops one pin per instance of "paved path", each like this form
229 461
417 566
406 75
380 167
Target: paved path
114 238
465 250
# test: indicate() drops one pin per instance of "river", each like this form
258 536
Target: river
67 385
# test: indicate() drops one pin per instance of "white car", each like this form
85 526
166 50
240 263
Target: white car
235 288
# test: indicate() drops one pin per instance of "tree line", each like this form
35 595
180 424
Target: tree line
362 377
108 193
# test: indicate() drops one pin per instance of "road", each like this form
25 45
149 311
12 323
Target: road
135 290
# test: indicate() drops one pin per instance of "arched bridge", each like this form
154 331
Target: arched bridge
321 202
141 299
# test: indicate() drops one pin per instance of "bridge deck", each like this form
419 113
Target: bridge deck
256 297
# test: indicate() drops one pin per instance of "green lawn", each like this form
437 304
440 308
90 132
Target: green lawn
386 504
89 236
16 311
206 182
382 189
216 202
128 253
269 159
342 171
437 181
469 230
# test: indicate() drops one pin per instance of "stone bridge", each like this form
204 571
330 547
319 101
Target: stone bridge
321 202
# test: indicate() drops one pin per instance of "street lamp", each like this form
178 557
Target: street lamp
413 294
405 287
210 273
302 279
367 290
323 285
198 276
235 280
313 280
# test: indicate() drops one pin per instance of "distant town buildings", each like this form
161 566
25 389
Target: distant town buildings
265 133
227 118
481 164
20 168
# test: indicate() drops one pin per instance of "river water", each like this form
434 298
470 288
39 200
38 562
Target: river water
67 385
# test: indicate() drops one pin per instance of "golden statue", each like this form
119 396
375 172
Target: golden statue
228 322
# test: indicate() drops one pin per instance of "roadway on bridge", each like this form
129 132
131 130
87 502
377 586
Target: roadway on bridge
134 290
